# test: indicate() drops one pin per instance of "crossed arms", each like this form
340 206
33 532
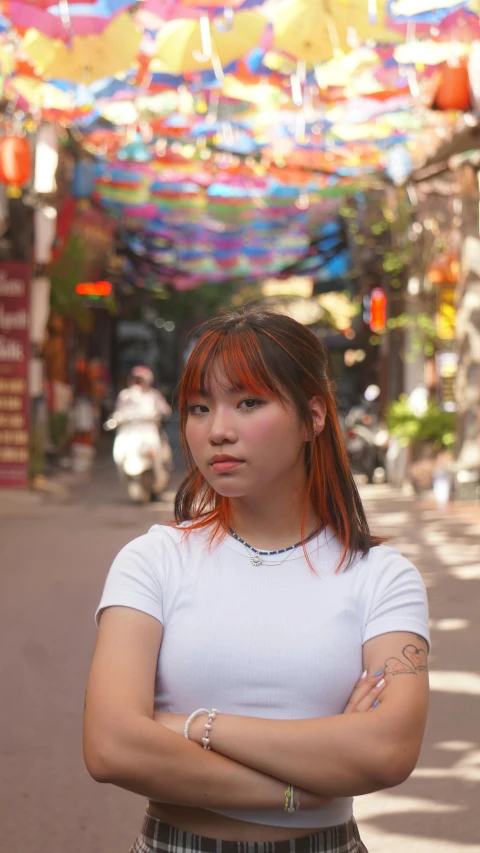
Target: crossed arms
252 758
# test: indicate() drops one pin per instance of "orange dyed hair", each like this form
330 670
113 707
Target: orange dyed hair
268 353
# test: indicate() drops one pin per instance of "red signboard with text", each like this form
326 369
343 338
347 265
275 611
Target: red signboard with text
14 354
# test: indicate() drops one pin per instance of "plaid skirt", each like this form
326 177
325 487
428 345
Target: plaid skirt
159 837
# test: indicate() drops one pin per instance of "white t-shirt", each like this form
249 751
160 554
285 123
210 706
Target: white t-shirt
277 642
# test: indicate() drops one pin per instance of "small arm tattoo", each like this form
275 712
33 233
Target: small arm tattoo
414 661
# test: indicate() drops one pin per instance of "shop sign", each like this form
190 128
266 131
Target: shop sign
14 354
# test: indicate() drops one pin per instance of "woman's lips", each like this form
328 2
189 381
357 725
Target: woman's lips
226 465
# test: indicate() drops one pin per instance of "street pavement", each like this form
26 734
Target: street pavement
55 552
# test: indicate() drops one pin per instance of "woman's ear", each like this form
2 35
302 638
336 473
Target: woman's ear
318 409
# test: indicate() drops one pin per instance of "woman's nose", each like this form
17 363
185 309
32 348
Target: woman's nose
222 429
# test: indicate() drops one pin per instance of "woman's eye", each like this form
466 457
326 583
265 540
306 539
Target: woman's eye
251 403
197 409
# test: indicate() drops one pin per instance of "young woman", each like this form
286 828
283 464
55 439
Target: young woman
264 659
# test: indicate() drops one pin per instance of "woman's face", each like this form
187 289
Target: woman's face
244 443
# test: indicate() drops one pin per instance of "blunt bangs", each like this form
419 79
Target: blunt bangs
239 356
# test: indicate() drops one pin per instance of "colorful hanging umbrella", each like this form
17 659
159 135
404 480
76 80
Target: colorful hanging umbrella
185 46
168 10
38 93
24 16
431 11
44 4
461 26
97 8
221 4
315 30
90 57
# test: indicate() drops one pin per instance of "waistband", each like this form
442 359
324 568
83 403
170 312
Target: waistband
159 837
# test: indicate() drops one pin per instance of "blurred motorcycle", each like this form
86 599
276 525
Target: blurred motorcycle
141 450
367 438
143 456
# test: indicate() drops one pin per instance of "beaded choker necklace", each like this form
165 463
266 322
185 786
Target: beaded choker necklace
256 556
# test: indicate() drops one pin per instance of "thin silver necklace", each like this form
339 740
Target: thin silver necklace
256 556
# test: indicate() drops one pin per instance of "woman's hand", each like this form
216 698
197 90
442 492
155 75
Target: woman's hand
365 693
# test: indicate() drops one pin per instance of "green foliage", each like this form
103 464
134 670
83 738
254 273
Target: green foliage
393 262
68 270
424 332
435 426
65 273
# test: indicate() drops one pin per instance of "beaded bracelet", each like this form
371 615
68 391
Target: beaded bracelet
208 727
193 717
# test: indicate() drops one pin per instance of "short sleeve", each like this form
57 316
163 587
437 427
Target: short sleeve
395 596
136 578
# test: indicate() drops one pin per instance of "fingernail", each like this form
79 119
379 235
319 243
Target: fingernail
375 703
380 683
380 672
364 674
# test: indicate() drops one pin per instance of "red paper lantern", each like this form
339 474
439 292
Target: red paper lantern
378 309
453 92
16 163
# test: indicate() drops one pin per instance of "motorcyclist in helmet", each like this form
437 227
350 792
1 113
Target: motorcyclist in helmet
140 397
141 406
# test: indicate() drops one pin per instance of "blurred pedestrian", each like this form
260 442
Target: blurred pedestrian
263 658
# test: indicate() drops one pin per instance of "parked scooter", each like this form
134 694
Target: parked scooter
141 450
367 438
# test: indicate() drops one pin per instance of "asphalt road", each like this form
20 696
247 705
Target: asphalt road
54 557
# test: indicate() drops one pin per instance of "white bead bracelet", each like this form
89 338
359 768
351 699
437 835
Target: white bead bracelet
193 717
208 727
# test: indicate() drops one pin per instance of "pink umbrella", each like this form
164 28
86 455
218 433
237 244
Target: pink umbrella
45 4
24 15
460 26
168 10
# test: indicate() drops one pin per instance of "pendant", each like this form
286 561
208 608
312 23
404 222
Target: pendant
256 560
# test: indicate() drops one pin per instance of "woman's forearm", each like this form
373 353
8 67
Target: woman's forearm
149 760
334 756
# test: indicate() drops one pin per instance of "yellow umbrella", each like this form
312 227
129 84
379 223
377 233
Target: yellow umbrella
40 94
196 45
90 57
315 30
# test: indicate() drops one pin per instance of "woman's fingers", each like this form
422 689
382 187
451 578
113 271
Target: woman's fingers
365 693
360 690
368 701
